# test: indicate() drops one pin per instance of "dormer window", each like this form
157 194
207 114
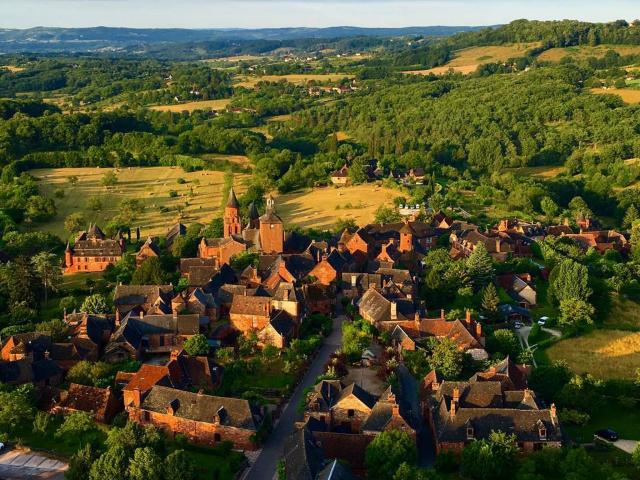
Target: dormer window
542 430
470 432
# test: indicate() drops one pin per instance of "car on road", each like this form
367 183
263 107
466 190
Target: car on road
518 325
543 321
607 434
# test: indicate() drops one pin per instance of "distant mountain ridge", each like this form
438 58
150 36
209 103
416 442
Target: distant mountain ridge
95 38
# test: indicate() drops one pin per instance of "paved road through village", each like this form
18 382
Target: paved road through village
265 465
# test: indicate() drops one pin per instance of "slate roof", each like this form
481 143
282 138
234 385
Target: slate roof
16 373
282 323
128 297
232 201
152 245
362 280
358 392
295 242
233 412
44 370
378 308
507 372
270 217
335 470
303 459
226 275
246 305
177 230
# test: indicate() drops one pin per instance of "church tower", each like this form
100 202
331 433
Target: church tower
271 229
406 238
232 216
254 216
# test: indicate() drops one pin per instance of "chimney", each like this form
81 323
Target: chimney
478 329
395 410
394 311
554 416
526 394
442 314
456 395
137 400
354 279
141 314
468 317
416 320
453 409
174 355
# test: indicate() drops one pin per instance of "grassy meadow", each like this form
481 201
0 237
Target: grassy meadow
628 95
321 207
605 354
219 104
585 51
469 59
200 197
250 81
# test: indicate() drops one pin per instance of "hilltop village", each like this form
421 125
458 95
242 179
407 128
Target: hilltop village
441 378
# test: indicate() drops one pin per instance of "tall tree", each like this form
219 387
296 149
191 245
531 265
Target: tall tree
490 301
179 465
569 280
47 265
145 465
480 267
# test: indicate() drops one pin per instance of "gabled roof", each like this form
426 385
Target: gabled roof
250 305
282 322
303 459
358 392
149 243
233 412
86 399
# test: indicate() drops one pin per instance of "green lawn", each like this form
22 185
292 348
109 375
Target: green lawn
625 421
267 376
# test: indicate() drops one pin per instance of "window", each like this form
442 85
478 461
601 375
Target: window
216 437
351 412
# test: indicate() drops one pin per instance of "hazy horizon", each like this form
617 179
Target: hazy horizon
251 14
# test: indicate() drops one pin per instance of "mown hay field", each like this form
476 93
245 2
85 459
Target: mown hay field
321 207
585 51
219 104
605 354
150 185
295 78
628 95
467 60
544 171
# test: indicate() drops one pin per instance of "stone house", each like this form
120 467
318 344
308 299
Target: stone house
250 313
198 271
461 412
340 177
221 249
149 249
102 403
150 334
140 300
92 252
203 419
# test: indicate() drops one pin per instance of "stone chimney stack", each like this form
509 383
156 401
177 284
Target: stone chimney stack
454 407
394 311
395 410
478 329
456 395
442 314
468 317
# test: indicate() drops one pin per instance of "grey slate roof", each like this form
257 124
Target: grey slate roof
233 412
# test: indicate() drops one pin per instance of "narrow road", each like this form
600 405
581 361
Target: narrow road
266 464
24 464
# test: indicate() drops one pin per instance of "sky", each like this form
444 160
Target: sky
301 13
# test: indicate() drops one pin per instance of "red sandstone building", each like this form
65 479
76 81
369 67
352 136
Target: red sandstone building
92 252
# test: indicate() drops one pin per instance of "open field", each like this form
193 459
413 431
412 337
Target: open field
295 78
12 68
603 353
150 185
585 51
628 95
219 104
321 207
467 60
543 171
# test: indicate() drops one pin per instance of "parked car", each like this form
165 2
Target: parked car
1 446
607 434
543 321
518 325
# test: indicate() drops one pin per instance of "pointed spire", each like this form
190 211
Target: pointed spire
253 211
232 202
68 249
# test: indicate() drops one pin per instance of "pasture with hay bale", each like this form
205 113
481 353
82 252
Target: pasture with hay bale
165 200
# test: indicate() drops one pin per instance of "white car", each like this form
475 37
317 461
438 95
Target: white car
1 446
518 325
543 321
